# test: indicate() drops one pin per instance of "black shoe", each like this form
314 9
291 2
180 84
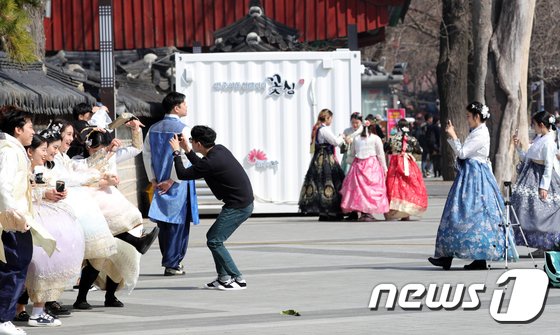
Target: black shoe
113 302
444 262
81 305
146 241
21 317
54 308
352 217
479 264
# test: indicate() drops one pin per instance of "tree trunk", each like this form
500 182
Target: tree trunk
452 75
507 80
37 28
482 32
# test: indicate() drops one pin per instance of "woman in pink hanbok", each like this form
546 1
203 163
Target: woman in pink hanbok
364 187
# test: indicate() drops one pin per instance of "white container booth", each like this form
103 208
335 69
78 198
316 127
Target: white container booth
262 106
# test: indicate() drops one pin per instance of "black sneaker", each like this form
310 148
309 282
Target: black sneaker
231 285
215 285
54 308
241 282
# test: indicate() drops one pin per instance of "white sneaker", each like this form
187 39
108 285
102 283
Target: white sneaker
215 285
241 282
8 328
43 320
232 285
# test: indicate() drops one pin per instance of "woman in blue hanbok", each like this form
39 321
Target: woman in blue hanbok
536 194
470 224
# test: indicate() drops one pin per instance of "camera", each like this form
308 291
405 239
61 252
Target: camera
39 178
180 137
60 185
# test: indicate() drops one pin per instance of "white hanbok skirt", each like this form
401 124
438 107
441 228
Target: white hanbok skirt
48 276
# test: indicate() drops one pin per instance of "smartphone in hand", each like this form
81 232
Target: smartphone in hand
60 186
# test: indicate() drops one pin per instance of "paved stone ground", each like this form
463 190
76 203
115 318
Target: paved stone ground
324 270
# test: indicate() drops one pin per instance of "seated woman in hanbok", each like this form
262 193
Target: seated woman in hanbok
470 223
47 277
405 187
536 193
364 187
323 180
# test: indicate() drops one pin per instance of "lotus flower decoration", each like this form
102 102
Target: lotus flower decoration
256 155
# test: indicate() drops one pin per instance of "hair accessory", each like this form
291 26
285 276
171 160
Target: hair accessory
87 141
485 112
52 130
48 133
552 119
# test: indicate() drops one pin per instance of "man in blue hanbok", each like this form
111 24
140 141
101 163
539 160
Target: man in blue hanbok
174 203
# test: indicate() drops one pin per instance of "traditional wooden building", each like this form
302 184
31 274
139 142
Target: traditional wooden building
73 25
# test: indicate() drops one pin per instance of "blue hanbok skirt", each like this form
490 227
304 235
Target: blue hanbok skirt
540 219
471 223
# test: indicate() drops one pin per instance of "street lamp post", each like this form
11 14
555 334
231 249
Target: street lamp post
107 59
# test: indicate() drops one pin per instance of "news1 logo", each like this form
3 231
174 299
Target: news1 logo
526 303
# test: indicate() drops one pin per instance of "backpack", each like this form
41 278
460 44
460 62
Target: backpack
552 267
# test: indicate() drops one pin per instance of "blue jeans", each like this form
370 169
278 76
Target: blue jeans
226 223
18 248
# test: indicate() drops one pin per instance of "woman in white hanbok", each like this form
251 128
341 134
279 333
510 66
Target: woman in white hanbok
124 219
48 276
536 193
99 242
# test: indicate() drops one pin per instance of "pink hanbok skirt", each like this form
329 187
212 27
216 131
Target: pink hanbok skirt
364 189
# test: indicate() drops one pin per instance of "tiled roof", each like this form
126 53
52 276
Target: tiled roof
142 76
256 32
31 88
